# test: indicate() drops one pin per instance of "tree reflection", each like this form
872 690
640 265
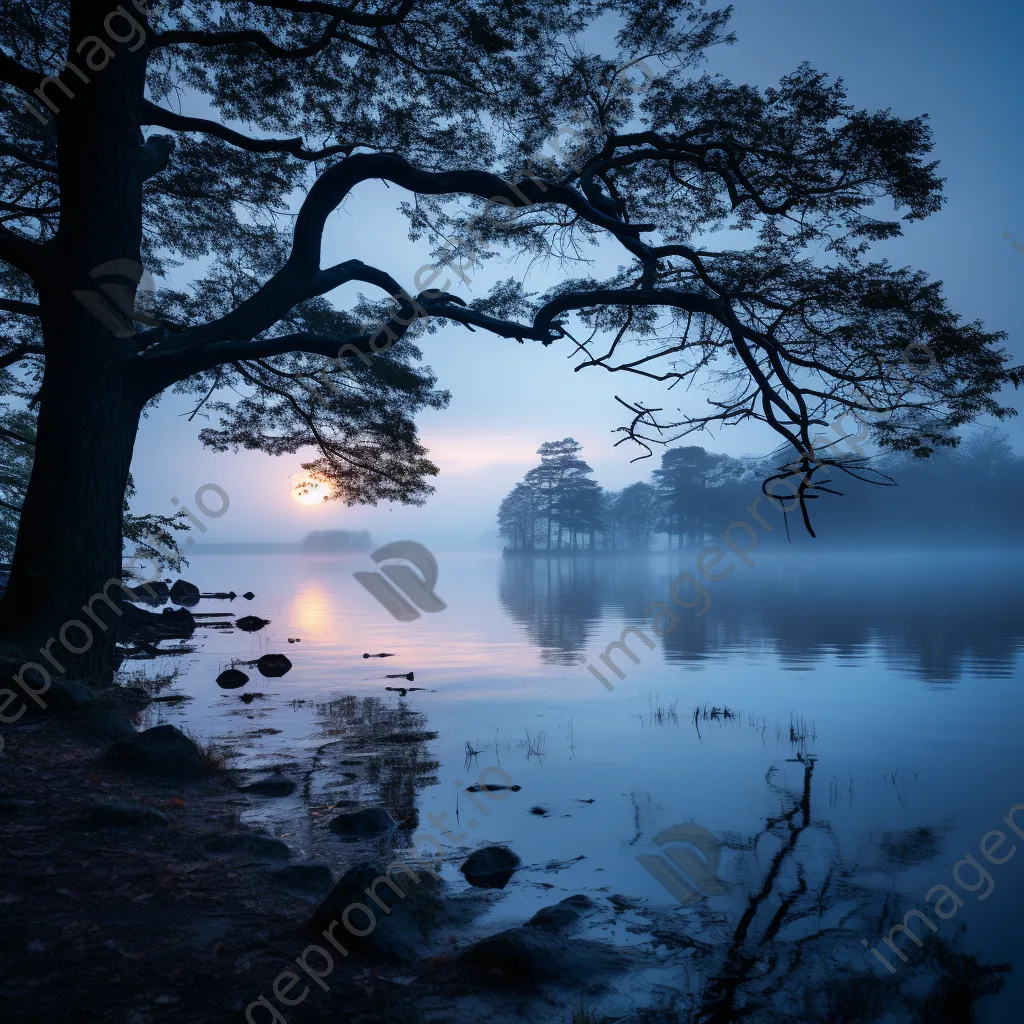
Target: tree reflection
794 951
935 618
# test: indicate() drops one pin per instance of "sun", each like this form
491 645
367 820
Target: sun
309 489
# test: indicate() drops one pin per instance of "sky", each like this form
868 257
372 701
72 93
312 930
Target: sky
956 62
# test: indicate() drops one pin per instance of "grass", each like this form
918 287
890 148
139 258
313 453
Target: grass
581 1015
215 756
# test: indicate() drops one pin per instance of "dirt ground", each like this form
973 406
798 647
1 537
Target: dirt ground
136 924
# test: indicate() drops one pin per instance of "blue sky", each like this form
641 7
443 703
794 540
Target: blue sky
958 63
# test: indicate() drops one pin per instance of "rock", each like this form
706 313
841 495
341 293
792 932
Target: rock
162 751
67 696
13 804
229 595
492 787
119 815
529 954
260 847
401 675
554 918
580 903
361 824
313 876
251 623
273 665
248 595
149 593
490 867
394 935
105 724
273 786
541 812
248 698
231 679
184 592
518 954
171 624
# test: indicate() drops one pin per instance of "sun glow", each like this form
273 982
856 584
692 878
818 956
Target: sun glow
308 489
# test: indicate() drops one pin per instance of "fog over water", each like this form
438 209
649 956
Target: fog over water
873 695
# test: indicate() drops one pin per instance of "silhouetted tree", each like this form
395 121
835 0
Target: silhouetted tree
636 516
152 536
683 485
794 951
303 102
517 518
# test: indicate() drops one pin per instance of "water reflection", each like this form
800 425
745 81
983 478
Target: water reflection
793 948
935 617
376 753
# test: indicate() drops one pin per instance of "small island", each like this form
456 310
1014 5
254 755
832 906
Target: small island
331 541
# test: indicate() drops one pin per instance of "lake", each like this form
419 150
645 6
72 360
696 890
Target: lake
815 755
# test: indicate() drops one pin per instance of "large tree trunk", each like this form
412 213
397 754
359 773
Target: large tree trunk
69 541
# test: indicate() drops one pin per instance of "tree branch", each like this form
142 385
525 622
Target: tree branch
345 14
16 74
156 115
18 251
17 306
12 436
250 37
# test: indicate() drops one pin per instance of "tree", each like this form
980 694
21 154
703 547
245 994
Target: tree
151 536
17 441
307 100
517 518
683 485
636 515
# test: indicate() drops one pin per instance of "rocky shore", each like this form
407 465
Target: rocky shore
132 893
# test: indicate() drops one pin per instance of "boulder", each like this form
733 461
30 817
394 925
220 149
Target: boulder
518 954
184 592
527 955
136 624
125 815
231 679
249 843
364 823
103 724
392 936
66 696
273 665
251 623
162 751
311 876
149 593
490 867
248 595
561 915
580 903
275 785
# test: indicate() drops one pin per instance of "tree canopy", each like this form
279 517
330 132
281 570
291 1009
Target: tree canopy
304 100
223 138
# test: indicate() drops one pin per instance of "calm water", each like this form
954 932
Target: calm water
872 739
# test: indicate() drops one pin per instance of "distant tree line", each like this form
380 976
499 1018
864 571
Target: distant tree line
322 541
559 506
969 495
